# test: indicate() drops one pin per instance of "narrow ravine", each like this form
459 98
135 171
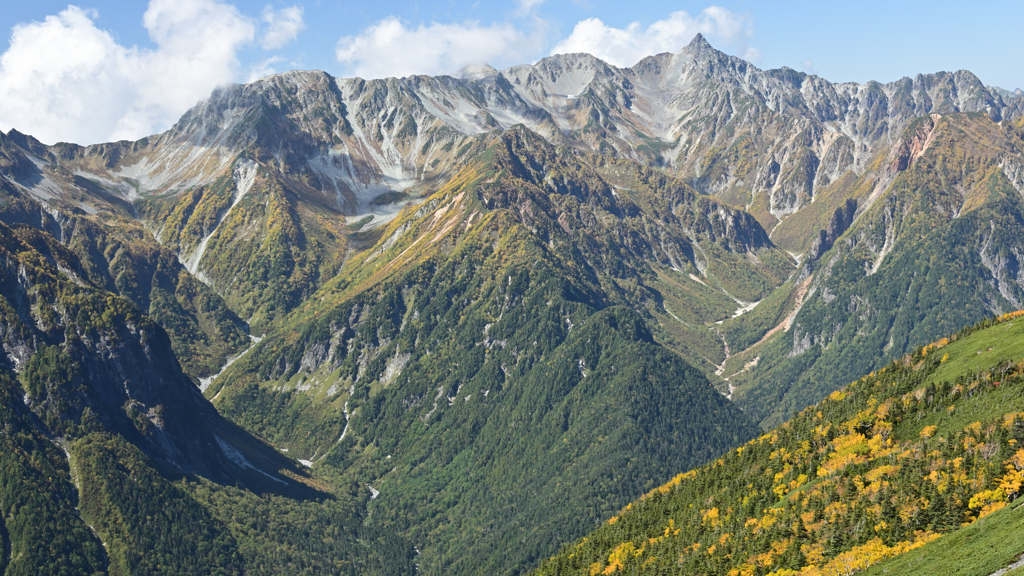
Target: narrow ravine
244 176
348 421
76 482
204 383
721 369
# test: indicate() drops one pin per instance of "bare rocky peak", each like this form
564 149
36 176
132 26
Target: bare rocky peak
357 139
481 98
477 72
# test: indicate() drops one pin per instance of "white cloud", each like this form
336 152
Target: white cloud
627 46
524 7
65 79
265 68
283 26
389 48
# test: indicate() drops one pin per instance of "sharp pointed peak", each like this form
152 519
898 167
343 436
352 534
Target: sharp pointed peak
699 41
700 47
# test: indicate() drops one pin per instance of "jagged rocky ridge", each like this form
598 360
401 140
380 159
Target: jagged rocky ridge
348 141
776 142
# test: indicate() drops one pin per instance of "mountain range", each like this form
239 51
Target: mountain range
449 324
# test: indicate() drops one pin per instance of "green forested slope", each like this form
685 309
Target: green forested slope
489 362
113 463
39 524
928 444
119 256
251 239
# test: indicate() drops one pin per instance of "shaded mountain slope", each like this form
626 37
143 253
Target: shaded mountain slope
113 458
104 247
90 360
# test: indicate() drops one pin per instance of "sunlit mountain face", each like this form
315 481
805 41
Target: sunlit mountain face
453 325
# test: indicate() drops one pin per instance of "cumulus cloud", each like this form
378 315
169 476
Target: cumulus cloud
65 79
283 26
390 48
627 46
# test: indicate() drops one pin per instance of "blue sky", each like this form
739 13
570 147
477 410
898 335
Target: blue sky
100 70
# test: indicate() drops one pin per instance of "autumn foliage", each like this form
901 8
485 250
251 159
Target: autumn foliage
879 468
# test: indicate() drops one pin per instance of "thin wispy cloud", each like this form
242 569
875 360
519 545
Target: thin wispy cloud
524 7
264 68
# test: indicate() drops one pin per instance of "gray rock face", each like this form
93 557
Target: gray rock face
790 133
838 223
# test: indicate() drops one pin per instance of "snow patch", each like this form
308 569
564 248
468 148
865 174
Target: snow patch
348 420
744 307
890 241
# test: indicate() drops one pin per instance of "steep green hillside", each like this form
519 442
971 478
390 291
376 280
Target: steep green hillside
488 366
979 549
114 253
251 239
113 463
929 449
